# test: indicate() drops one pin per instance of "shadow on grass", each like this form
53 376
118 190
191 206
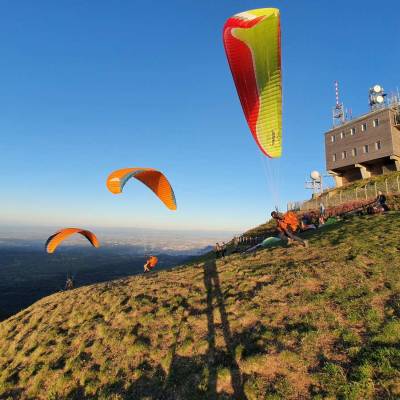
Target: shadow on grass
14 393
183 381
214 292
187 377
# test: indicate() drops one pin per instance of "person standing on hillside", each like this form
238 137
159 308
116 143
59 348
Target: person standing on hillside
322 209
69 284
217 250
223 249
287 225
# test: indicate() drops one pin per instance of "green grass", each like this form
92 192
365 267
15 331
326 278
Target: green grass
283 323
374 179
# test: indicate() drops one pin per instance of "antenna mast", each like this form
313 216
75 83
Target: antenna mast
338 114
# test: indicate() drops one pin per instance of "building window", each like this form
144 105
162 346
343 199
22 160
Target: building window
352 131
341 135
375 122
366 148
344 154
364 127
354 152
333 138
378 145
334 158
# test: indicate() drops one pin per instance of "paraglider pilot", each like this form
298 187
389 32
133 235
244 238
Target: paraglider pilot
288 224
150 263
69 284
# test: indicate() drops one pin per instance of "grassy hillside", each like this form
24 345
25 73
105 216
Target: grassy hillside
378 179
284 323
368 188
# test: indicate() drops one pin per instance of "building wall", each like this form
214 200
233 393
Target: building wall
395 135
384 133
350 175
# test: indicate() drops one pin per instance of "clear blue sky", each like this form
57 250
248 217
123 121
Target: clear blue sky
92 86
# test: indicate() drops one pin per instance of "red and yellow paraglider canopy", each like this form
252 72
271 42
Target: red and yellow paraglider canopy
252 45
153 179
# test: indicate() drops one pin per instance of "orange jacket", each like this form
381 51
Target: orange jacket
289 220
152 262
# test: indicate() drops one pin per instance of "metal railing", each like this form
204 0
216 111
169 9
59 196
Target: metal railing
336 197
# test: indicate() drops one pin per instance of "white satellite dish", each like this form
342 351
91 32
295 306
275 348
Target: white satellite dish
315 176
379 99
377 88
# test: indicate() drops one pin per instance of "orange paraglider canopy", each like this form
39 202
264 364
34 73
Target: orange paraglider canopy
153 179
54 240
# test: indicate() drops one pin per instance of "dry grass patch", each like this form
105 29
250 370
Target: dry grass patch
284 323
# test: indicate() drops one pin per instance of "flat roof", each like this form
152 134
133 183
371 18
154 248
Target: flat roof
351 121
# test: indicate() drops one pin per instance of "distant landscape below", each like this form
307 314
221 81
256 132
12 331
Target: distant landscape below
28 273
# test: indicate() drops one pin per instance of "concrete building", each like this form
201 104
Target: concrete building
365 146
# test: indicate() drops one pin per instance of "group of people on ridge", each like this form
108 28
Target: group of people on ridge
287 225
220 250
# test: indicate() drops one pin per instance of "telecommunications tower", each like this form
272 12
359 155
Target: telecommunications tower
338 112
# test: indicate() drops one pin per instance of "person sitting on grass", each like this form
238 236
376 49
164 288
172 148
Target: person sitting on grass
381 202
306 222
287 225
